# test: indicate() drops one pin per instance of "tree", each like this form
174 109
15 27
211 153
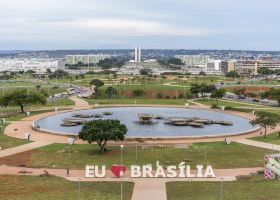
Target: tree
239 91
232 75
275 94
38 87
145 72
111 92
265 71
202 73
21 98
48 71
218 94
138 92
195 89
101 131
109 63
30 71
174 61
59 73
97 83
266 120
206 89
202 89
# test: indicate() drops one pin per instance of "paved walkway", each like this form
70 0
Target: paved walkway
80 103
22 148
258 144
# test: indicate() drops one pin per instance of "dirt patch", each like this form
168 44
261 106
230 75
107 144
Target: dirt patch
23 158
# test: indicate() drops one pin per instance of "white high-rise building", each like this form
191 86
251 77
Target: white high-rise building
194 60
85 59
137 54
25 64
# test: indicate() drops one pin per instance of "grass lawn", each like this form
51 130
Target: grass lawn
8 142
54 188
208 101
138 101
245 188
271 138
218 155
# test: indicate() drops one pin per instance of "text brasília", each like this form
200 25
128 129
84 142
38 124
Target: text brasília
146 171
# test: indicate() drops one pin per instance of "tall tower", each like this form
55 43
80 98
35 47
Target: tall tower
137 54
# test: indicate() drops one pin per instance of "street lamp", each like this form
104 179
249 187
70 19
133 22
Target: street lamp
121 172
70 142
222 179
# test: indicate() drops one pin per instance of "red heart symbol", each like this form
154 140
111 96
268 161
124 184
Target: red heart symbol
116 169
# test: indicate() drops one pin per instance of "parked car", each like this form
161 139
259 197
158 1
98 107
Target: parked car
255 100
241 97
264 101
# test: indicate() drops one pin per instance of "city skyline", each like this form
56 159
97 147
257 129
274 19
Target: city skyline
48 25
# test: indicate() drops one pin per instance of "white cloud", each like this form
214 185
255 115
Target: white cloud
132 27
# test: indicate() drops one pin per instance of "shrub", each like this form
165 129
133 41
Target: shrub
138 92
159 96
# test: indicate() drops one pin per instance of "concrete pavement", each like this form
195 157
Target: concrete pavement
23 148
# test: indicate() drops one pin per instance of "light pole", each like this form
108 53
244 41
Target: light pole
70 142
79 188
136 153
222 188
121 172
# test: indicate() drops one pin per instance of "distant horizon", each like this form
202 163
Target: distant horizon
96 49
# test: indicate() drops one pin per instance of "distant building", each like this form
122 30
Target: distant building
231 65
214 65
85 59
25 64
137 54
194 60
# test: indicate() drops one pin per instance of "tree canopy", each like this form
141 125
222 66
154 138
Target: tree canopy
232 75
97 83
202 89
266 120
218 94
146 72
109 63
111 92
274 94
22 98
59 73
101 131
265 71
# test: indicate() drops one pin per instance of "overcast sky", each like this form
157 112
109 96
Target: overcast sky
92 24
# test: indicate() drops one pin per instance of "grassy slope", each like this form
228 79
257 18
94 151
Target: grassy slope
139 101
245 188
208 101
54 188
218 155
8 142
271 138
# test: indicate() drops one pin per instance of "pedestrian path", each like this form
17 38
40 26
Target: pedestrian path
258 144
80 103
149 189
23 148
